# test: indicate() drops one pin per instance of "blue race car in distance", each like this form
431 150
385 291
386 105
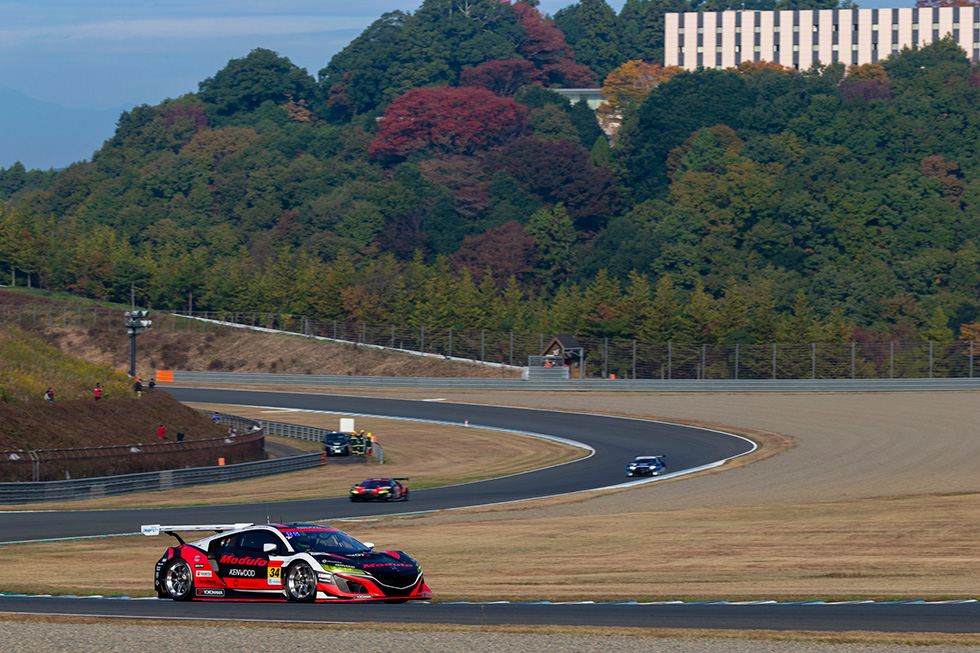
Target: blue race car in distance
647 466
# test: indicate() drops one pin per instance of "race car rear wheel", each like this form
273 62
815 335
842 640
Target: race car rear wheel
405 496
178 580
301 583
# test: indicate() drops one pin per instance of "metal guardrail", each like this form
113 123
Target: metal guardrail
104 486
584 385
310 433
40 465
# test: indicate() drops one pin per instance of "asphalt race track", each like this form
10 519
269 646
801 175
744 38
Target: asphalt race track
614 441
883 617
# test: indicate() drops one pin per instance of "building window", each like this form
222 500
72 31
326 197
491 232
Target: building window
915 26
956 25
854 47
874 28
796 48
680 31
700 48
738 48
816 28
700 30
718 48
935 26
738 29
680 50
835 47
776 29
718 31
775 47
796 28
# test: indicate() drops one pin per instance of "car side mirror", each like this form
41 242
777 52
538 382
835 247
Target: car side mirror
269 547
369 545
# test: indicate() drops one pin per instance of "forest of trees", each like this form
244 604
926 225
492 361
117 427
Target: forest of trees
429 176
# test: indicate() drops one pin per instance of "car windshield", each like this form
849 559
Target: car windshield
646 460
336 438
322 540
376 484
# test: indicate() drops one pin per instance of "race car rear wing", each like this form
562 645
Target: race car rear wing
155 529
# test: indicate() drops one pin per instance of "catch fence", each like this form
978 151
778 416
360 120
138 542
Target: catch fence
637 359
603 357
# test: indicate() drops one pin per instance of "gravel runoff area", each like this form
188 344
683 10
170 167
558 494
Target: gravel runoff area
848 446
122 638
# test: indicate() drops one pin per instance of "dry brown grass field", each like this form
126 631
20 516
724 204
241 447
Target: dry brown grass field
834 517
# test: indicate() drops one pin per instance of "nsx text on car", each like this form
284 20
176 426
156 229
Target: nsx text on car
292 562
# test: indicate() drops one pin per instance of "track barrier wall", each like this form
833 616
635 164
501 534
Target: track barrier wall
168 479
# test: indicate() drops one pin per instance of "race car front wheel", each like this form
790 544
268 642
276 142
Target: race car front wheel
178 580
301 583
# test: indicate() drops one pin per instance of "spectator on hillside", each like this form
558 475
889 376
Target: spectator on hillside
138 387
152 385
49 395
216 419
162 432
97 391
180 435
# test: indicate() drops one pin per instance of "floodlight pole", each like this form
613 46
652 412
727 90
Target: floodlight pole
135 322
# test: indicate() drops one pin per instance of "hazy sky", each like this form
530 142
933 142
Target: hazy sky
89 54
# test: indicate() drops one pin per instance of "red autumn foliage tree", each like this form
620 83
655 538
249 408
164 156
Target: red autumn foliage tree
545 46
503 77
561 172
444 119
506 251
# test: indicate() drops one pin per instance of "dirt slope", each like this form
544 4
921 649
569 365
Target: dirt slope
90 423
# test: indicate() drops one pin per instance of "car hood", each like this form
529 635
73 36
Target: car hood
373 562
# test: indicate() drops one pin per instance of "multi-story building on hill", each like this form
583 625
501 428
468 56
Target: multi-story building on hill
798 39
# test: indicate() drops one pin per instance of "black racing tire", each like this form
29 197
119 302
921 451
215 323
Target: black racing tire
178 580
300 583
405 496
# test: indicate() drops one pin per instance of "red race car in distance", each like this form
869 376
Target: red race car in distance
380 489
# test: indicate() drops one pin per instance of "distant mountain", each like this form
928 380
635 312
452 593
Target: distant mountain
46 135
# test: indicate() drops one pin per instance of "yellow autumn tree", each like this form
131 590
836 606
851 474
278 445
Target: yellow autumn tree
748 67
870 71
626 87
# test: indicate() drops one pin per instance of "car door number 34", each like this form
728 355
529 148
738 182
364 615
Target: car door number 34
275 575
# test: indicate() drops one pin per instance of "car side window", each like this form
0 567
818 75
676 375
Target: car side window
226 542
253 541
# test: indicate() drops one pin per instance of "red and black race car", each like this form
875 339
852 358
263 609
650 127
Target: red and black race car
380 489
283 562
